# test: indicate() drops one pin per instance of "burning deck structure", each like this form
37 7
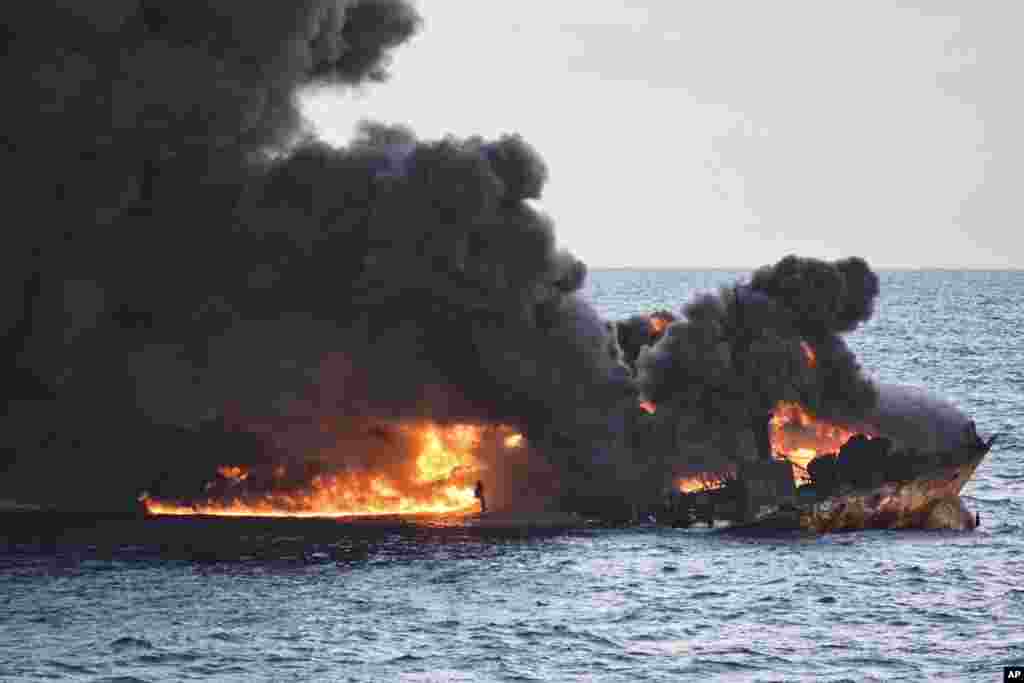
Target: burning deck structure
703 455
864 486
732 422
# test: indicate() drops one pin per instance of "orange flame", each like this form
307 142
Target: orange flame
648 406
798 437
658 324
237 474
446 468
436 462
705 481
809 354
702 482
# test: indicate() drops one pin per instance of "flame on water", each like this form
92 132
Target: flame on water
442 480
798 437
333 496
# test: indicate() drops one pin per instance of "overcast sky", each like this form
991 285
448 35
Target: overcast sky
722 134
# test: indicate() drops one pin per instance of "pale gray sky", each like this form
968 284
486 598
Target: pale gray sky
727 133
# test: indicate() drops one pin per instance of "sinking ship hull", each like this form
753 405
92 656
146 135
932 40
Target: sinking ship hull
920 493
928 501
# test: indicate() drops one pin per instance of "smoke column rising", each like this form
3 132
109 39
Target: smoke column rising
194 268
736 353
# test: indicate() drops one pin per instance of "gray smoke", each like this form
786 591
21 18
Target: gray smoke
912 418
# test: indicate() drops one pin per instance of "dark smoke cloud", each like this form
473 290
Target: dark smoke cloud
638 331
136 131
738 352
132 128
822 298
198 270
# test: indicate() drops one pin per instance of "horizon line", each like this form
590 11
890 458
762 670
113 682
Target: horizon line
891 269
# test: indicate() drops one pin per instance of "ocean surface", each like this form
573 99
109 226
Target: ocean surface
417 602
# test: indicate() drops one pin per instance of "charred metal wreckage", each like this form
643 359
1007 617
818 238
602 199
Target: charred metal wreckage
901 468
867 485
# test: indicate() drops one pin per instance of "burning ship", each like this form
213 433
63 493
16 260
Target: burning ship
301 329
716 452
901 465
867 482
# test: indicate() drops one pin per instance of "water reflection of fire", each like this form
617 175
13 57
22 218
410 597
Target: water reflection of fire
446 469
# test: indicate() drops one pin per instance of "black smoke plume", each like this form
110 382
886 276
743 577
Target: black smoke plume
736 353
192 279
